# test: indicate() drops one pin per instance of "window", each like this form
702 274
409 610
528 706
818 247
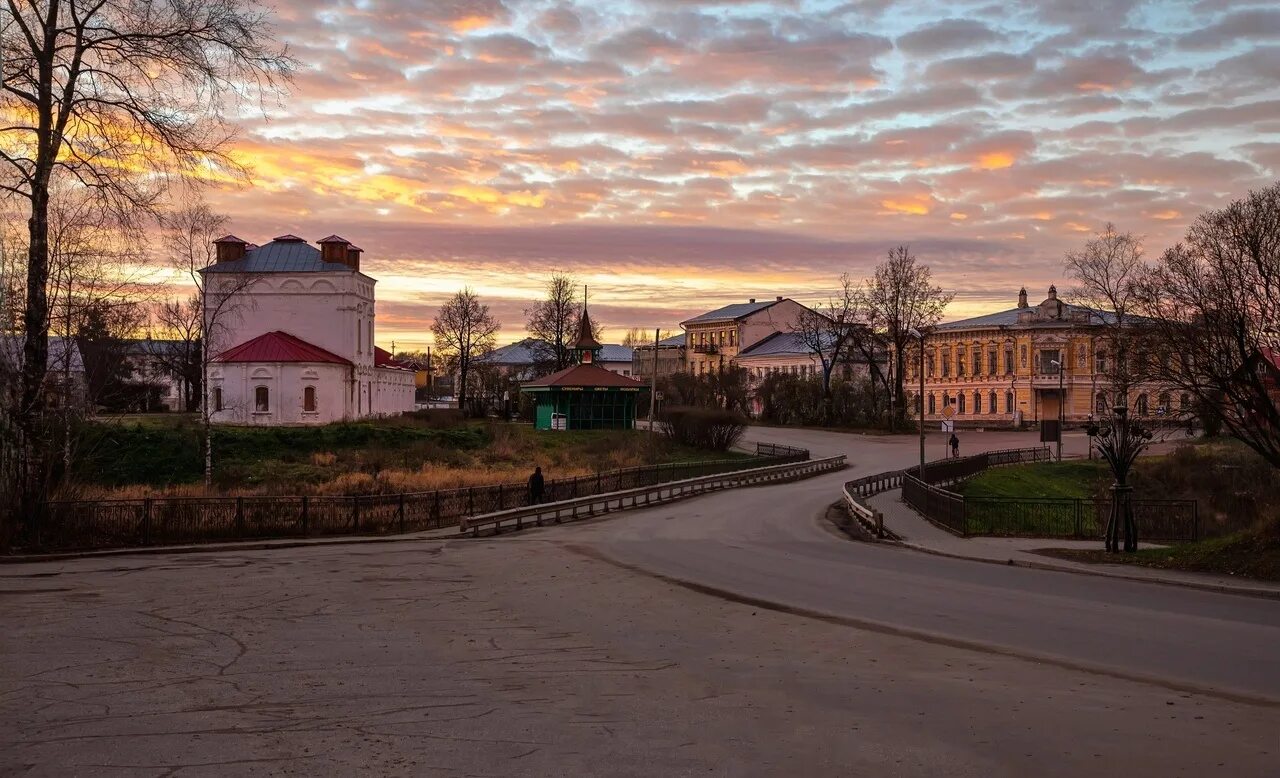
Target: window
309 399
1184 403
992 367
217 398
960 402
1100 404
1164 404
732 336
960 361
261 399
933 404
1100 361
946 364
1022 355
977 402
359 336
1008 401
977 361
946 400
1142 405
991 401
1047 358
928 362
721 337
1008 361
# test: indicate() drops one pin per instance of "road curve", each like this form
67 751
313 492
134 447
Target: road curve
767 544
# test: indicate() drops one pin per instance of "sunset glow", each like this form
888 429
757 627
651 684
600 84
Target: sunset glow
681 155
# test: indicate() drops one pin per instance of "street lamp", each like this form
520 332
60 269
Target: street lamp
1062 401
915 333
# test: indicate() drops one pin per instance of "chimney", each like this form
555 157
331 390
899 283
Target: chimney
752 300
353 257
1053 292
779 298
230 248
334 249
1022 297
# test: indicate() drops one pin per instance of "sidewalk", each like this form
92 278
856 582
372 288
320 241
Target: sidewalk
922 535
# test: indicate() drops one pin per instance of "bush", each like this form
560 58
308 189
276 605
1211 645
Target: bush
714 429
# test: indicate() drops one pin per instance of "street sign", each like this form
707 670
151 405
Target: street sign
948 411
948 425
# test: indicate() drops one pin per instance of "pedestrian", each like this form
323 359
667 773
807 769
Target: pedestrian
955 445
535 486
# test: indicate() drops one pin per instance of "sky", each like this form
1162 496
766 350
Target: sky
676 156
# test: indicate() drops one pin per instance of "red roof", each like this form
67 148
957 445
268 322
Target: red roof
586 376
1271 355
279 347
383 358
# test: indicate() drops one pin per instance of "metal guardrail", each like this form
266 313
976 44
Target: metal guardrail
96 524
645 495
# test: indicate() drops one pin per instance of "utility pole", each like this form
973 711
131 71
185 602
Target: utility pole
653 381
920 335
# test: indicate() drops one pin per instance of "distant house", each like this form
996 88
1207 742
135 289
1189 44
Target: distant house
787 353
671 358
158 363
64 381
521 360
715 338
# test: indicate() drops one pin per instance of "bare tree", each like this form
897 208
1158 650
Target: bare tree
181 321
1214 302
115 94
463 330
835 331
189 233
904 298
554 320
637 337
1106 272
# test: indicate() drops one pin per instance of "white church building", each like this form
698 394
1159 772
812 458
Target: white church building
291 328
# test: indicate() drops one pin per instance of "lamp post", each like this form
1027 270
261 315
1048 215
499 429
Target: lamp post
1062 401
915 333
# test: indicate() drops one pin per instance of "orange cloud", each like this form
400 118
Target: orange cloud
916 205
995 160
469 23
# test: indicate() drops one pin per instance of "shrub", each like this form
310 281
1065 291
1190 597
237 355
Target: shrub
714 429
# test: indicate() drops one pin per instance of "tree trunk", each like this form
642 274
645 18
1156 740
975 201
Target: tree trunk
35 357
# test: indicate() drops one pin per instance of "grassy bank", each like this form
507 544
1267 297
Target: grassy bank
164 456
1253 553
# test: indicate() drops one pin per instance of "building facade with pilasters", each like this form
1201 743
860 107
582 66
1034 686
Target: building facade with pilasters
1025 364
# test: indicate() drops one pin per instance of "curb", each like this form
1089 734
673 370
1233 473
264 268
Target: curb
1261 593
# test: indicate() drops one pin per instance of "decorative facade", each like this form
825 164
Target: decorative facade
715 338
294 336
1021 365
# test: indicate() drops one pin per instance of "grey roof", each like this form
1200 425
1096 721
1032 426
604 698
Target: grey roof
523 352
731 312
280 256
60 349
781 344
612 352
1010 318
156 347
530 350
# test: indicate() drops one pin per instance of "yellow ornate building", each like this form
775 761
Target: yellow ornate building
1003 368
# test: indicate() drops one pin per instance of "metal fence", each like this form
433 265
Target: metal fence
1160 521
76 525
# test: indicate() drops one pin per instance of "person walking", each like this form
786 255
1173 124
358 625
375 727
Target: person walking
955 445
535 486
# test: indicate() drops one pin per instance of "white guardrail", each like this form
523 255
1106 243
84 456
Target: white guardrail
582 507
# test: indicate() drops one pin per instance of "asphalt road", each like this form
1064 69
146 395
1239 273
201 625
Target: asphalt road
781 650
765 543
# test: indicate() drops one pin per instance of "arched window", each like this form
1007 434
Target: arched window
309 399
946 400
217 398
1184 403
977 402
1142 405
1165 403
991 402
933 403
261 399
960 401
1100 404
1008 402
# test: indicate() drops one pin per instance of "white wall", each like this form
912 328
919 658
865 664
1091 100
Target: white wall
393 391
334 311
286 383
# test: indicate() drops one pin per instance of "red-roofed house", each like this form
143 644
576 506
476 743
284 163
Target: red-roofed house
298 345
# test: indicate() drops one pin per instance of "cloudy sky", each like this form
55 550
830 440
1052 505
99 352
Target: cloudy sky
678 155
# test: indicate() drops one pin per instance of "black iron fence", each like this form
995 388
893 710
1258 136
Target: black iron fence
99 524
1158 521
